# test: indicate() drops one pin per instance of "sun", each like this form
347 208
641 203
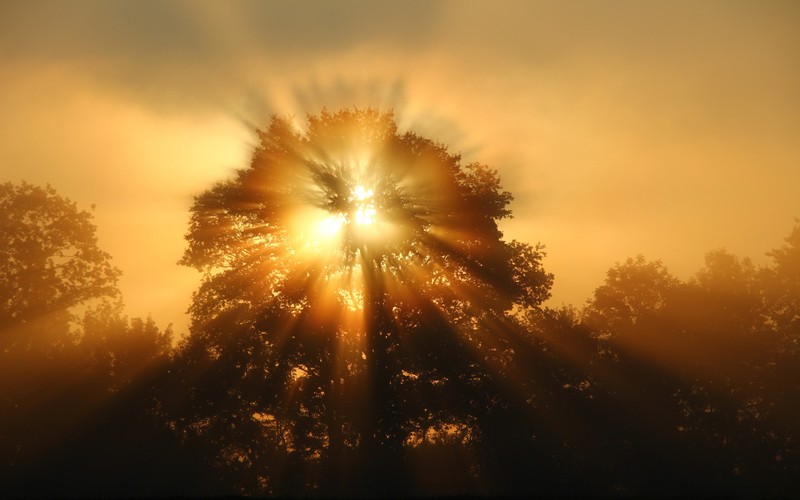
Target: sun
365 212
350 211
360 210
350 204
341 226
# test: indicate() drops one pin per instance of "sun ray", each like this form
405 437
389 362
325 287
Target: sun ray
364 259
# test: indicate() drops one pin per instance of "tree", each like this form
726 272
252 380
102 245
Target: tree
633 292
77 378
356 307
782 289
697 380
119 349
49 264
87 421
781 376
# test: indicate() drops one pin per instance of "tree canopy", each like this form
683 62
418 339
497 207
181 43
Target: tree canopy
49 260
361 271
75 373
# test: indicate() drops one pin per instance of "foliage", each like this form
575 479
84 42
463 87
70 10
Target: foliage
49 261
336 362
76 396
632 293
712 367
782 288
430 368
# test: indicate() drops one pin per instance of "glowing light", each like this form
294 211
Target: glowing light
365 211
330 226
350 197
361 193
361 246
365 215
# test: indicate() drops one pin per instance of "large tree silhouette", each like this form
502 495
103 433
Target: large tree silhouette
357 311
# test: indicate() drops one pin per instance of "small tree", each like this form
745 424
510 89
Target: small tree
633 292
782 288
49 264
77 378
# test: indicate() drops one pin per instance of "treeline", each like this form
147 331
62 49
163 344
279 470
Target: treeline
655 386
687 387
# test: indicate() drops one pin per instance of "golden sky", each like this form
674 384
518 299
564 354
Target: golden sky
621 127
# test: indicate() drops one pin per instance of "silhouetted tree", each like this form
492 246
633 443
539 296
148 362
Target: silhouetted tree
77 378
49 263
120 348
697 380
356 320
633 293
780 375
782 290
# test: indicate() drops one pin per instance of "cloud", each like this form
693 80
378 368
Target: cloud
196 31
179 55
621 127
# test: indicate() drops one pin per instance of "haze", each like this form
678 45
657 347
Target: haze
621 127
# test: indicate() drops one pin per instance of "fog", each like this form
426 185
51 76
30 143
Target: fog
620 127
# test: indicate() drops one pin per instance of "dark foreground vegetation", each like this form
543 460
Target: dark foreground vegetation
450 377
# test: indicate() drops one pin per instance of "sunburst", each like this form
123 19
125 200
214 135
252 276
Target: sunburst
366 258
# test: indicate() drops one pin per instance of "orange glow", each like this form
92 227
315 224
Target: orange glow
354 232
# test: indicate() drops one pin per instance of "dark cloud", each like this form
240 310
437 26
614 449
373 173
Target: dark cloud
185 32
187 55
320 27
124 32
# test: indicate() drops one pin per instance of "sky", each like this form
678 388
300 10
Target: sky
621 127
